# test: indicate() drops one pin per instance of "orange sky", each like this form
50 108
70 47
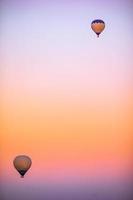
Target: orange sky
66 95
78 135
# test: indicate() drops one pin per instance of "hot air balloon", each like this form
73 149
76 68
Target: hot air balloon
22 163
98 26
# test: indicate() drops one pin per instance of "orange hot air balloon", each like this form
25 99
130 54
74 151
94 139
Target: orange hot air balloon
98 26
22 164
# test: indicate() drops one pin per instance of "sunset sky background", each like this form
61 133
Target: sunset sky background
66 99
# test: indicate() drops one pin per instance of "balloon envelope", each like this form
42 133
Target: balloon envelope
98 26
22 163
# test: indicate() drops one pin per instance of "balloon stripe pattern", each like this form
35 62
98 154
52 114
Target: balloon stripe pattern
98 26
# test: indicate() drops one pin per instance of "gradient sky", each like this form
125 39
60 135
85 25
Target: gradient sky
66 99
